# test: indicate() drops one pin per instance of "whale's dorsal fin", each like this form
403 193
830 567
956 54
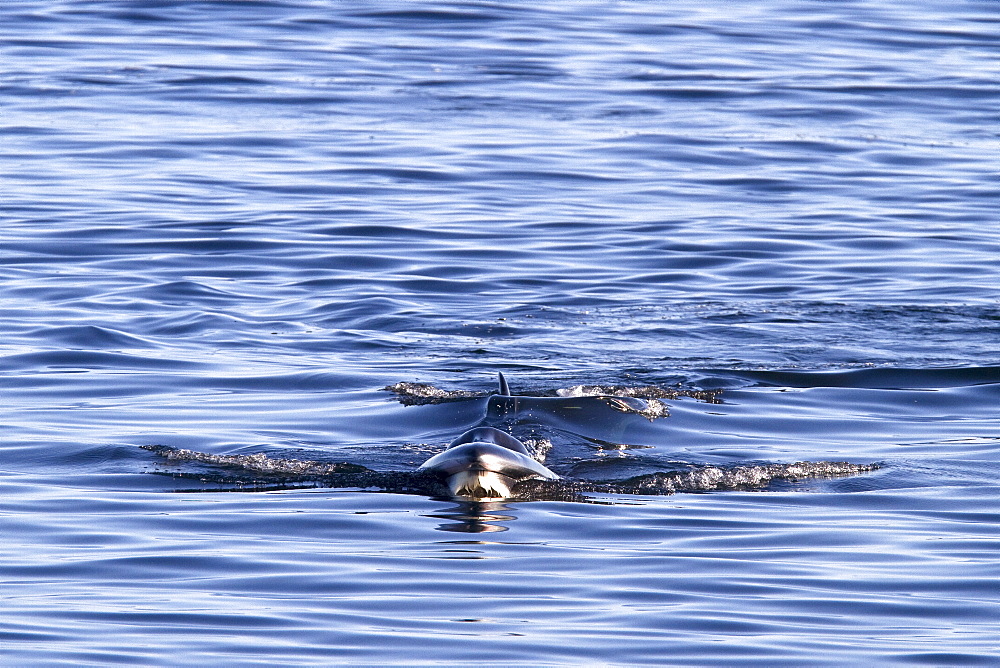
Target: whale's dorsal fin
504 390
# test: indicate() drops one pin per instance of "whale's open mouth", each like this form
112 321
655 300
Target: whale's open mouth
480 484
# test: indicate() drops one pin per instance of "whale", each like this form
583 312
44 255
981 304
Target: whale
486 465
486 462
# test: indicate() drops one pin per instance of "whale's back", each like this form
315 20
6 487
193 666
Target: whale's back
490 435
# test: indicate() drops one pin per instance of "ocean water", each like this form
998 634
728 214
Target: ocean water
769 228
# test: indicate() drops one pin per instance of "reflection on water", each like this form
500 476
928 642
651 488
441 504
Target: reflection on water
474 517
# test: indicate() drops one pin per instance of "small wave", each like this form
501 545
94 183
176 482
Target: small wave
88 360
258 472
716 478
697 479
258 463
419 394
91 337
640 392
649 408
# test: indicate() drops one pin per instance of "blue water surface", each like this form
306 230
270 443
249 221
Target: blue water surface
227 226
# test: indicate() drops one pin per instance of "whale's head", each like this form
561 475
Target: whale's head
485 463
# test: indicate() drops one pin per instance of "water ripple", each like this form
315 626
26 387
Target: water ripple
226 226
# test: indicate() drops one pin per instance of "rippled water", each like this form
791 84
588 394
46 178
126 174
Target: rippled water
226 227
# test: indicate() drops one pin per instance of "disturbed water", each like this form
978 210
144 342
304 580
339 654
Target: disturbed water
767 232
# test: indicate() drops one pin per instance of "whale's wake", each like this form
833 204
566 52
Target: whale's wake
258 471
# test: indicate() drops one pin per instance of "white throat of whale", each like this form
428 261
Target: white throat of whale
480 484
